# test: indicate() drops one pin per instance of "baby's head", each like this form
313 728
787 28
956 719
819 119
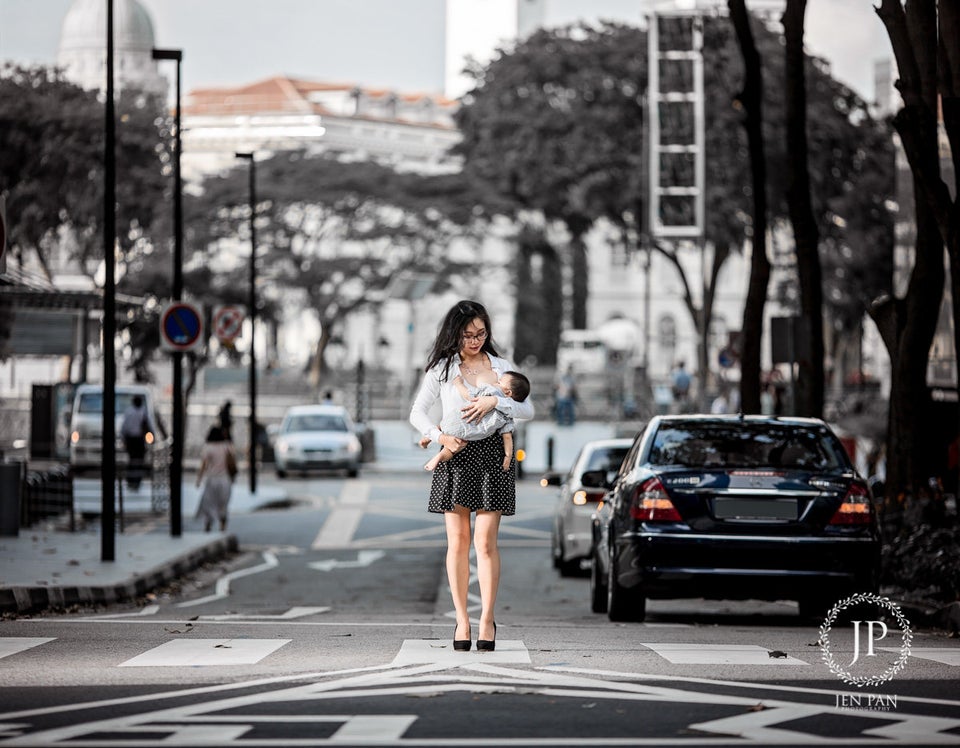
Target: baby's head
515 386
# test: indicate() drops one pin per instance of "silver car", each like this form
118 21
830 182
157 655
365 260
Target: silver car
317 437
571 537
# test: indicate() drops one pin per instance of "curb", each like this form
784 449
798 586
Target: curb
34 599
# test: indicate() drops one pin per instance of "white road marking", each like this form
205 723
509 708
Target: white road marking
441 652
295 612
11 645
341 525
223 583
945 655
190 652
719 654
364 559
146 610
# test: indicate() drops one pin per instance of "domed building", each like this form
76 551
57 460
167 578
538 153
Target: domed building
83 46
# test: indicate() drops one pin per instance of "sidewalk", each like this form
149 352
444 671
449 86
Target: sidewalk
42 568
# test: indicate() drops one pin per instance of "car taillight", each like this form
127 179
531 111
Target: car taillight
652 504
580 498
855 509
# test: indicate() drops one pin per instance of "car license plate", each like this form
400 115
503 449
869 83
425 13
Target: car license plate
755 509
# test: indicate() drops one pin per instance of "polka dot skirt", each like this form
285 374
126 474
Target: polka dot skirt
474 477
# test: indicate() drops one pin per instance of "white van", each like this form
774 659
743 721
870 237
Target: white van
86 423
584 350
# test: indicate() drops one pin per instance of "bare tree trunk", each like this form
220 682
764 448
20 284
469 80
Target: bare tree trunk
913 35
580 273
805 231
752 100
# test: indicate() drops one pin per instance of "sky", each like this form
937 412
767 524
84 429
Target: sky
396 44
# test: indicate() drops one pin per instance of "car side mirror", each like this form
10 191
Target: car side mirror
551 479
595 479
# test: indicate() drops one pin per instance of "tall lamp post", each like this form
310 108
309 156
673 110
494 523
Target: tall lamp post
176 457
252 313
108 438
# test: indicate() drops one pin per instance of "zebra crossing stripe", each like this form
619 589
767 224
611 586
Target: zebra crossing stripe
10 645
719 654
192 652
943 655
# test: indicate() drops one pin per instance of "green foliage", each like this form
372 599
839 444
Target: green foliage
338 231
925 559
51 165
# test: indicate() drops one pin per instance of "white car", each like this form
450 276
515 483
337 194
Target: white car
317 437
572 535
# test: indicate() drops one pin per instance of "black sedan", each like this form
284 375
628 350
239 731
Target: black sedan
732 507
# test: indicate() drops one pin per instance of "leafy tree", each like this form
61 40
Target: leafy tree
338 231
51 170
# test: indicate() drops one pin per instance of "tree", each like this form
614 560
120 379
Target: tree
338 231
925 36
751 99
555 124
537 279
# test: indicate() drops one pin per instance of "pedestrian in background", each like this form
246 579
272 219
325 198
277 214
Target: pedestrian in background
218 464
473 480
225 417
133 430
681 385
565 396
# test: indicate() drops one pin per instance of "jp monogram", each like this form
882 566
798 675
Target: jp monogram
875 630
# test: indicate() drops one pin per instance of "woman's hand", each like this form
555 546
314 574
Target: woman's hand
451 442
478 408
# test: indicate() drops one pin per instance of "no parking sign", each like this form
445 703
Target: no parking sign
181 327
227 322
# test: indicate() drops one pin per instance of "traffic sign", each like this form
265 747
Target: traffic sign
181 327
227 322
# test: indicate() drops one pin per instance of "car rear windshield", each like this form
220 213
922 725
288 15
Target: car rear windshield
92 402
315 422
608 459
747 445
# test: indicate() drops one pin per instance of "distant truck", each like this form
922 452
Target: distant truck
86 424
583 350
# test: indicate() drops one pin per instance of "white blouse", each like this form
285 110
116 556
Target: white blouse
432 389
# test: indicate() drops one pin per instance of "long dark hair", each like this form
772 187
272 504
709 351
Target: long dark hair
450 334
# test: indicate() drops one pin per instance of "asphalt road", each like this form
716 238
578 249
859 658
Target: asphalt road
333 627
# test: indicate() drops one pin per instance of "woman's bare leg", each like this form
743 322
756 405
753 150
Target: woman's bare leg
458 565
488 568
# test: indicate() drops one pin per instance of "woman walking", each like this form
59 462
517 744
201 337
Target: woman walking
474 479
219 465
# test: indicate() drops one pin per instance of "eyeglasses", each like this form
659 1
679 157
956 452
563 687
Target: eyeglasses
478 338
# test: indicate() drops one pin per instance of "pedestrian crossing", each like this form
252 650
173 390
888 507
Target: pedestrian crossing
193 652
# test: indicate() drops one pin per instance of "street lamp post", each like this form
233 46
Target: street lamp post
252 313
108 438
176 457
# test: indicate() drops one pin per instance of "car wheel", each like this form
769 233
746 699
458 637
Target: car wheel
598 586
554 549
353 473
814 607
281 474
623 604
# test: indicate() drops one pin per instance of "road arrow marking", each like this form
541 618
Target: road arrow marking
364 558
295 612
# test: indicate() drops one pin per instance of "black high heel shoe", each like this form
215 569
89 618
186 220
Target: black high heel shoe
462 645
488 645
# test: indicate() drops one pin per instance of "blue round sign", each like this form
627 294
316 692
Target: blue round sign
181 326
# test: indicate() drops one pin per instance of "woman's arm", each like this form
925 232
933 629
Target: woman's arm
427 395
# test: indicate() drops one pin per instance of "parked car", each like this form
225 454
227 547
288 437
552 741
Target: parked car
733 507
571 538
317 437
86 424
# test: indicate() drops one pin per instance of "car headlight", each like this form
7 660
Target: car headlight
283 448
353 446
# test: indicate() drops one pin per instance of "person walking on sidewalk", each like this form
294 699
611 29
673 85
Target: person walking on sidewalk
133 430
473 480
218 465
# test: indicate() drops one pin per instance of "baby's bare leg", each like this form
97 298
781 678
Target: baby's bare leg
507 450
442 456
